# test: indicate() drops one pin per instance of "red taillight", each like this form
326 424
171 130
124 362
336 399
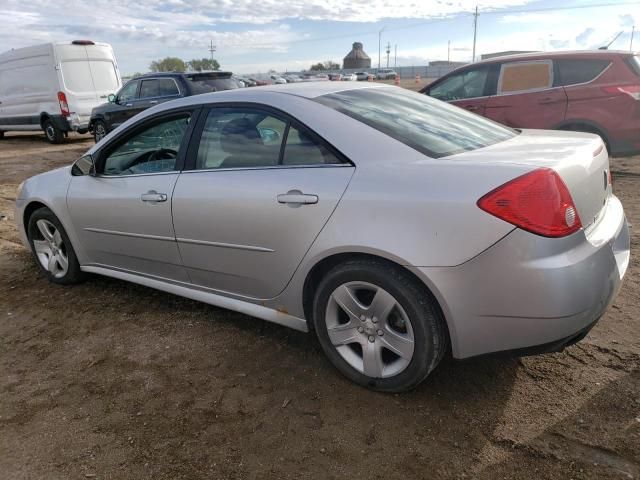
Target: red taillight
538 202
64 106
633 90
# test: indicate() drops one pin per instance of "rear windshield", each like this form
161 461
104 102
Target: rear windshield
202 83
634 63
425 124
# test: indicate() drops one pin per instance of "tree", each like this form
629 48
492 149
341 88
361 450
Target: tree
203 64
169 64
328 65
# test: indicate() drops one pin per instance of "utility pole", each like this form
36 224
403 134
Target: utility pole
395 56
475 32
633 30
448 52
212 48
379 45
388 52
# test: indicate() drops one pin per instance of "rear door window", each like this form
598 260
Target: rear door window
167 87
575 71
104 75
77 76
521 77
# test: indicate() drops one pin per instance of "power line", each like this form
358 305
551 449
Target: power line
452 18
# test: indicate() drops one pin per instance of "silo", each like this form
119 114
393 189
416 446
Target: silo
356 58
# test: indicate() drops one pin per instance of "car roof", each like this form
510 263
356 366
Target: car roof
174 74
551 55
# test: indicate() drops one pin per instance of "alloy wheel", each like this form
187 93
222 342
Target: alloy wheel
370 330
50 249
100 131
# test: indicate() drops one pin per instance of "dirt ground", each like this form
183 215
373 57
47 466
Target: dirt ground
110 380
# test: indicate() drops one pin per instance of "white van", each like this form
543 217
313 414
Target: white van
53 87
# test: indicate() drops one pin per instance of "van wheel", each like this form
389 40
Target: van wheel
99 130
54 134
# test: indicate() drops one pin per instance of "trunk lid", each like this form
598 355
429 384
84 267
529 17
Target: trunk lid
581 160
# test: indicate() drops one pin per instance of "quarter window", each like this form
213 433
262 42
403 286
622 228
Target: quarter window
525 76
153 150
467 84
574 71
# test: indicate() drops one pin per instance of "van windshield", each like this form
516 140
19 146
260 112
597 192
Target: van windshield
425 124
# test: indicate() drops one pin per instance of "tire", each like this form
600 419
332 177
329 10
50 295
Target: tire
54 134
413 325
48 238
99 130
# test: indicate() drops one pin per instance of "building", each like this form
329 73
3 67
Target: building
356 58
486 56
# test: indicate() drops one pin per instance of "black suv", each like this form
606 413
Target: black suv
151 89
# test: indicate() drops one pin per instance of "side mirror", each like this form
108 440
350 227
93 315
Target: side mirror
112 98
84 166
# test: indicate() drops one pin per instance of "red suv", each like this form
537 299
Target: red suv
590 91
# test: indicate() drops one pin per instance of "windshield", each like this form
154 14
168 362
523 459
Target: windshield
83 76
203 83
427 125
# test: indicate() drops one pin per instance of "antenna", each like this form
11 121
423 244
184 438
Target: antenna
606 47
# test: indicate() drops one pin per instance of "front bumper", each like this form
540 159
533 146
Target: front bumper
527 291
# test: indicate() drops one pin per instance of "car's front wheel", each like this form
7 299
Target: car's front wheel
378 325
52 248
99 130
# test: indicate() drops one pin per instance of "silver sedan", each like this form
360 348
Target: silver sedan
396 227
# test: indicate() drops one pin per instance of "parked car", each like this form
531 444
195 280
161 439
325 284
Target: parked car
292 78
587 91
364 76
349 77
335 77
151 89
277 79
53 87
386 74
391 252
258 82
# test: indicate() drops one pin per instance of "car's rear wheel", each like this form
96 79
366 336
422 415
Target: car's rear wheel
52 249
99 130
53 133
378 325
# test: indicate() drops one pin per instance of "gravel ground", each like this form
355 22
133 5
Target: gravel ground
110 380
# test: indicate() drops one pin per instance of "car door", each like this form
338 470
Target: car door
468 89
259 191
123 108
527 97
122 214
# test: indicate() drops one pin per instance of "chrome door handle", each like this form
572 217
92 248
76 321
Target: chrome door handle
153 102
127 105
296 197
153 197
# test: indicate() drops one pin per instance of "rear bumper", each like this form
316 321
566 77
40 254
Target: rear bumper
529 291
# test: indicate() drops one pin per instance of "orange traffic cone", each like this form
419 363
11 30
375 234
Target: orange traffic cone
397 80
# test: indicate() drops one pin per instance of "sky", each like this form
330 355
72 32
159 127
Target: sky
253 36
